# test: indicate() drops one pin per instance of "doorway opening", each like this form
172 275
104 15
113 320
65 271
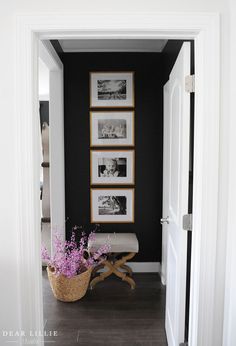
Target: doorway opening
152 62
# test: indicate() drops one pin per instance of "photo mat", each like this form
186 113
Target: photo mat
108 128
112 89
111 167
112 205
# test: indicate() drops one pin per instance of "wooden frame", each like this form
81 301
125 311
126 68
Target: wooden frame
110 103
130 128
204 29
130 209
130 170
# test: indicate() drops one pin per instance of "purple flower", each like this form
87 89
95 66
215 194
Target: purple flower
45 254
70 258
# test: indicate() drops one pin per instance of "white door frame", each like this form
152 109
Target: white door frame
204 29
56 136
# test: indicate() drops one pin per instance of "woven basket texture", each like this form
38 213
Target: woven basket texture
69 289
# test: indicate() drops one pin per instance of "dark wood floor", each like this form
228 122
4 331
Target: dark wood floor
111 314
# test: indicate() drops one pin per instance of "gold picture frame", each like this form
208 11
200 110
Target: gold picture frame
120 168
112 205
112 89
112 128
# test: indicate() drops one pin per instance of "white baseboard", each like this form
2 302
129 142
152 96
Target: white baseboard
144 267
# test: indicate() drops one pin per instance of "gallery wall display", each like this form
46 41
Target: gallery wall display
112 205
112 129
112 89
112 167
109 128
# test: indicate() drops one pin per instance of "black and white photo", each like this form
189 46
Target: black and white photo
112 167
112 128
112 205
112 89
109 128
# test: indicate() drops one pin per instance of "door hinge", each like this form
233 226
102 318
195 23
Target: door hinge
190 83
187 222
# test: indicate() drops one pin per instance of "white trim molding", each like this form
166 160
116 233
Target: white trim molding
43 97
229 337
204 29
49 56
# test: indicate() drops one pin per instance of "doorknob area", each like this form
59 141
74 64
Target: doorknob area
165 220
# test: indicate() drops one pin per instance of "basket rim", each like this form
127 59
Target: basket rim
51 270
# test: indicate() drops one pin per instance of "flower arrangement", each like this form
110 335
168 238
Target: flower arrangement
70 258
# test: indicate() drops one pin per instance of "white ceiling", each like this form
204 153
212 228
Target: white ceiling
114 45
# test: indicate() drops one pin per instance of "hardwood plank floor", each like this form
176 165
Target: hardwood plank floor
109 315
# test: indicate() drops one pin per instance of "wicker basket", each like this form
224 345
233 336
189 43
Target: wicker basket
69 289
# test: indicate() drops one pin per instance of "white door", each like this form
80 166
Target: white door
166 172
176 180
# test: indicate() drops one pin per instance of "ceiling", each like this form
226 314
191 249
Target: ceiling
112 45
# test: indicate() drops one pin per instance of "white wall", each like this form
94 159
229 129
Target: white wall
107 5
8 206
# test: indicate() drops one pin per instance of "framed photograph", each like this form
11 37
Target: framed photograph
112 205
112 167
112 128
111 89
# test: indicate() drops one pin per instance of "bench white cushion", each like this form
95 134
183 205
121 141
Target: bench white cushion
119 242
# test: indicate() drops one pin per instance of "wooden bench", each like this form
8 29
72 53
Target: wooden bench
124 246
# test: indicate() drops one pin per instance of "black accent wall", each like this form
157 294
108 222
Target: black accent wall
149 74
56 45
44 112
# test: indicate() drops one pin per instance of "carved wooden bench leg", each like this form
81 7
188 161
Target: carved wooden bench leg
113 268
124 277
102 276
127 268
130 281
118 264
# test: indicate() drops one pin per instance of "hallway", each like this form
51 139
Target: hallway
111 314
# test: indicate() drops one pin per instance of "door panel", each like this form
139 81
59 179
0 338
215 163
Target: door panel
176 182
174 150
171 298
166 163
